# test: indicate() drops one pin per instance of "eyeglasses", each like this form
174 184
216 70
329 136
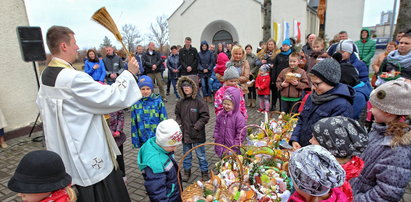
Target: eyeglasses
317 84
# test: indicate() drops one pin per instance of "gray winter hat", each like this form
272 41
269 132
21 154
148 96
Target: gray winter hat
393 97
345 45
231 73
328 70
315 171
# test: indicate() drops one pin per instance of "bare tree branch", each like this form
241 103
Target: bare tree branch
159 32
131 36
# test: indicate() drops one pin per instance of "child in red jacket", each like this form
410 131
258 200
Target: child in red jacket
262 84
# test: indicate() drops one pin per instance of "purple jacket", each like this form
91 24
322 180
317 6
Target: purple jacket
229 124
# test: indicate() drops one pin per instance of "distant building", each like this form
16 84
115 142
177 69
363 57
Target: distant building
386 17
234 20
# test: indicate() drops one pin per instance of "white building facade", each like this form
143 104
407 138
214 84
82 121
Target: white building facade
242 20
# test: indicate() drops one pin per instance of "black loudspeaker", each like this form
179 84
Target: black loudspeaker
31 43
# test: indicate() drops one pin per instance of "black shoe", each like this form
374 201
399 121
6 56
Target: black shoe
204 176
186 175
168 93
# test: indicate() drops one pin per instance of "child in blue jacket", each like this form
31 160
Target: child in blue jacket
156 161
146 113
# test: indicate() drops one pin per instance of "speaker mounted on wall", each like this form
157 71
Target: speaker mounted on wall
31 43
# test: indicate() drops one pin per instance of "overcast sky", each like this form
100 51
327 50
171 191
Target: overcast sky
76 14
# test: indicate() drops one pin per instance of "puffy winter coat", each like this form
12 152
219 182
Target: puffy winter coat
335 102
362 95
263 82
98 74
387 169
218 101
188 57
366 47
229 124
159 171
191 113
205 61
152 59
146 114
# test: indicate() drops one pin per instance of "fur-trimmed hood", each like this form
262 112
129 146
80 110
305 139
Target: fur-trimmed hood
194 82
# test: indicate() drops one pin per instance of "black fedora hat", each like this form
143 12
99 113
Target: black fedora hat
39 172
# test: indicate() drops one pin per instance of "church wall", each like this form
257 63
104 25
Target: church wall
245 17
18 87
344 15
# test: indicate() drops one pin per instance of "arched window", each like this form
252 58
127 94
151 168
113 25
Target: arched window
222 36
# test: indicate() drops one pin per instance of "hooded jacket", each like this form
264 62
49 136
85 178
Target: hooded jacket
146 114
219 69
159 170
336 102
361 67
366 47
191 113
387 169
206 61
218 101
188 57
229 124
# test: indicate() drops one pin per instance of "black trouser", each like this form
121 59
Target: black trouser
120 161
287 106
275 95
252 93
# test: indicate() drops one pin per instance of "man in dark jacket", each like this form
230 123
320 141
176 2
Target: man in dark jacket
114 65
205 69
329 98
139 58
153 67
188 58
173 65
192 115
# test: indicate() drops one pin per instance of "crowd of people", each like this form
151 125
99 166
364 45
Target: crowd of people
335 158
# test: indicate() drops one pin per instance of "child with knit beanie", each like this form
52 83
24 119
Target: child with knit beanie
156 161
146 113
387 158
231 76
329 98
262 84
42 177
316 175
345 139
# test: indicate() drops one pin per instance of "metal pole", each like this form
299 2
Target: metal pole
393 18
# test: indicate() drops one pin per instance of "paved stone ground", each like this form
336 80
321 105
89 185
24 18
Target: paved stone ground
10 157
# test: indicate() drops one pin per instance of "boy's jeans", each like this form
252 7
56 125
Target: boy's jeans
201 155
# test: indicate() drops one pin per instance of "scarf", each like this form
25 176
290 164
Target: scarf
320 99
286 52
404 60
57 196
352 169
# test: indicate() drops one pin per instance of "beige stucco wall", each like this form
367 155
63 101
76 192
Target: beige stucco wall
18 87
192 21
344 15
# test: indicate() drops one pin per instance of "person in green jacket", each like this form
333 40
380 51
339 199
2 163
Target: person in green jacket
156 161
366 46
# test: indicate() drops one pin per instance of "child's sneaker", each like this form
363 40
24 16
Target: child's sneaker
261 110
116 134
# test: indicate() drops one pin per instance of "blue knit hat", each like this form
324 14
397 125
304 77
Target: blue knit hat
145 81
287 42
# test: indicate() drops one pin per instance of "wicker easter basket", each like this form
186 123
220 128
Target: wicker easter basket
195 190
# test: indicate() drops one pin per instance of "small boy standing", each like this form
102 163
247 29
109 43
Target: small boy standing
146 113
291 82
156 161
317 54
192 115
262 84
